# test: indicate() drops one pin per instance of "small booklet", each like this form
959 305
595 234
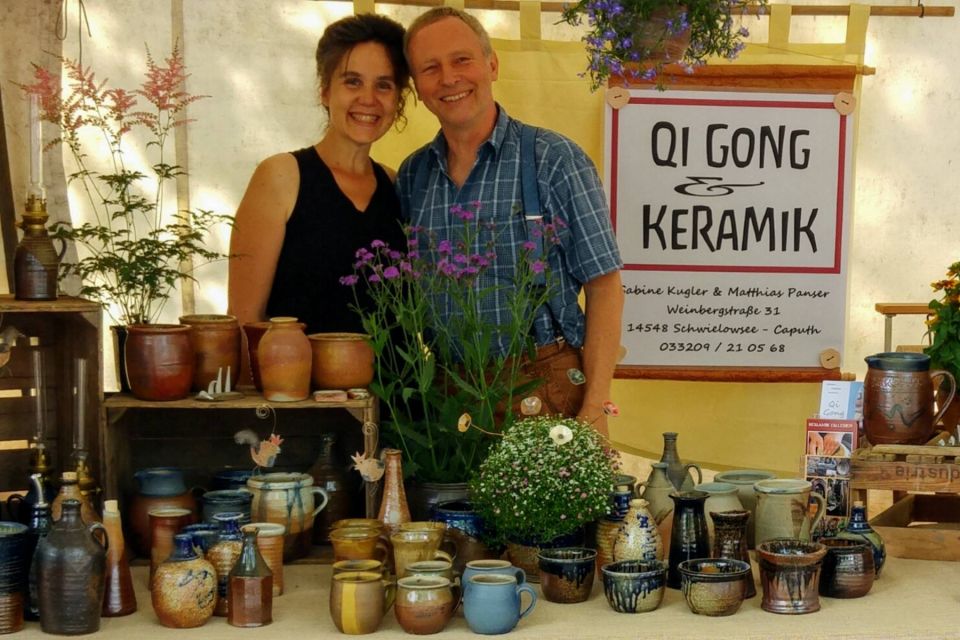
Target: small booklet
841 399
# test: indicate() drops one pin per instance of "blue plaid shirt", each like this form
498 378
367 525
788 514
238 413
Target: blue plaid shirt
570 190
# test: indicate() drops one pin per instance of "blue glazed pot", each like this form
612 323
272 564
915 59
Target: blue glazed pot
231 479
492 605
226 501
160 481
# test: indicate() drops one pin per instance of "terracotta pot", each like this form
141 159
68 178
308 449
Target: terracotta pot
285 361
790 575
341 360
289 499
254 332
159 361
216 349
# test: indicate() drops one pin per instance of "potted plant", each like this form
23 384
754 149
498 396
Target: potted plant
943 330
542 481
428 372
634 39
137 246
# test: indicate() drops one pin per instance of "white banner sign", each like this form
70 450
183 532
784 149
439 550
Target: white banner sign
731 211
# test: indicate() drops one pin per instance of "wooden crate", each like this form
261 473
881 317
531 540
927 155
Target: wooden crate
923 527
906 468
62 331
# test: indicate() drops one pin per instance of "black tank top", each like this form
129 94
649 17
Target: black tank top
322 235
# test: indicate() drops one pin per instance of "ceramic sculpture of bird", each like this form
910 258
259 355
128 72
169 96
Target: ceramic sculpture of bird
263 452
371 469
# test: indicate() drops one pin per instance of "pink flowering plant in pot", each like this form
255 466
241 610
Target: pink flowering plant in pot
439 352
137 246
545 478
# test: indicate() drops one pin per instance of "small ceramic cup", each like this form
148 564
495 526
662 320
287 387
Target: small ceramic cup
358 601
440 569
413 546
424 604
366 566
493 604
358 543
478 567
634 586
848 568
566 574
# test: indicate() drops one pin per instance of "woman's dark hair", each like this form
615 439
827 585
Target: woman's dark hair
342 36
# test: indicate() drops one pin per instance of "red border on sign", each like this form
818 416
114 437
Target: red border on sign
783 104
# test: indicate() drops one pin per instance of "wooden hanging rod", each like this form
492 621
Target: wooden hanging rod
798 10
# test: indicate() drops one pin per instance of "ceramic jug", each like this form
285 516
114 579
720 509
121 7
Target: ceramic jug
898 393
689 539
678 472
743 480
492 604
289 499
783 509
656 491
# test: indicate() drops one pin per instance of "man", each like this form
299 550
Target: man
476 157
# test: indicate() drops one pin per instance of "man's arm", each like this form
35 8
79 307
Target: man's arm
604 308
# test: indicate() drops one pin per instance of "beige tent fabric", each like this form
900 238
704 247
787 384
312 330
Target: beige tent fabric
913 599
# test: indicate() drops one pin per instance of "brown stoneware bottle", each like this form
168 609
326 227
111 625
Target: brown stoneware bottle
393 508
223 555
251 586
118 597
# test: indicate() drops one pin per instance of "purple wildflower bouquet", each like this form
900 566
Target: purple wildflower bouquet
628 38
134 252
440 350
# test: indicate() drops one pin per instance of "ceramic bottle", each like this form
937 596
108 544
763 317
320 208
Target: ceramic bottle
251 586
656 491
678 472
393 508
118 597
70 569
39 524
638 537
185 587
609 525
285 360
223 555
328 474
859 530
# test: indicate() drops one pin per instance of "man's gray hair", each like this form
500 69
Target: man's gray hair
439 13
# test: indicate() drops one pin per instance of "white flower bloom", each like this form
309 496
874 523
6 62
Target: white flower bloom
561 434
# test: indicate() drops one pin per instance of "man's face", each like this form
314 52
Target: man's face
453 76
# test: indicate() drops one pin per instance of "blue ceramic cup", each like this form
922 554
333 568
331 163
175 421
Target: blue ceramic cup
482 567
492 605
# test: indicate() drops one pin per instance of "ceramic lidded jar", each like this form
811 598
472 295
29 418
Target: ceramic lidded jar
159 361
285 360
216 349
184 589
289 499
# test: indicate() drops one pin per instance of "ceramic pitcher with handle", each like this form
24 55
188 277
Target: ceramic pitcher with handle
289 499
783 509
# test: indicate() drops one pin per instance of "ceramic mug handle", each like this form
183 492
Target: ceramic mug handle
525 588
317 491
440 554
96 527
953 390
821 509
693 465
389 593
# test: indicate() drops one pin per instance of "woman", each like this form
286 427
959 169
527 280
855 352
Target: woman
305 213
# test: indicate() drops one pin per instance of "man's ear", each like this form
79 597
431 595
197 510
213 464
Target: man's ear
494 65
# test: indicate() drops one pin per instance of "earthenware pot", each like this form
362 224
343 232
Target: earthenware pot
848 570
714 586
790 575
341 360
216 349
566 575
424 604
285 359
743 480
159 361
634 586
158 488
783 509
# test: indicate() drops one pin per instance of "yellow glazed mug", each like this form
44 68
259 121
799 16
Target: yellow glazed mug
358 543
358 600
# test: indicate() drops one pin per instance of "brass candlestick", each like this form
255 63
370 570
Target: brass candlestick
36 263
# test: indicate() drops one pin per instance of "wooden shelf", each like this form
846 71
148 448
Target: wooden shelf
251 400
63 304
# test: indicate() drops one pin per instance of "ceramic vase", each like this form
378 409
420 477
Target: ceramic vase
285 359
223 556
159 361
289 499
215 340
677 471
859 530
270 544
743 480
730 540
637 537
70 490
790 575
14 569
656 491
251 586
158 488
70 567
327 473
689 539
341 360
723 497
393 507
848 570
119 598
184 587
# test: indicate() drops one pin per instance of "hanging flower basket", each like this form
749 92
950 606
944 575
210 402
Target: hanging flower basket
664 37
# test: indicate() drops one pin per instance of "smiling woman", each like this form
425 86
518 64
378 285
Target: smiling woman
305 213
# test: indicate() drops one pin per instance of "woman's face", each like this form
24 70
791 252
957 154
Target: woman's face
362 95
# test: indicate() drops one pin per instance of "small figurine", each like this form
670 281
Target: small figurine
263 452
371 469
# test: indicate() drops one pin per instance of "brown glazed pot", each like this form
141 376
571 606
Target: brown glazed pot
730 540
848 570
790 575
159 361
216 346
285 361
566 575
424 604
341 360
254 331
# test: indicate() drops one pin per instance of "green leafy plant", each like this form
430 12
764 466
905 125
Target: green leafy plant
943 326
545 478
135 251
439 352
634 39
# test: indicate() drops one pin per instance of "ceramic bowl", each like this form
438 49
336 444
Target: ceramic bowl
566 574
848 569
714 586
634 586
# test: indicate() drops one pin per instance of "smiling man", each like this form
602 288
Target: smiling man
483 155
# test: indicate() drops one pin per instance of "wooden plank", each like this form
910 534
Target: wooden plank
63 304
923 527
8 210
903 476
902 308
729 374
916 449
251 400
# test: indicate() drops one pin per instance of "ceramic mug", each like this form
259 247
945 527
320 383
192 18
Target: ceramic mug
365 566
440 569
424 603
783 509
481 567
358 600
413 546
358 543
492 604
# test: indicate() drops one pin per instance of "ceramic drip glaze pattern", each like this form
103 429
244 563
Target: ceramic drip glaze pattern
566 575
634 586
790 575
714 586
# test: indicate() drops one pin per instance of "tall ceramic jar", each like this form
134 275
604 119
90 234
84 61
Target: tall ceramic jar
859 530
185 587
393 508
689 539
70 490
223 555
118 597
251 586
638 537
70 569
289 499
159 361
285 361
216 349
730 540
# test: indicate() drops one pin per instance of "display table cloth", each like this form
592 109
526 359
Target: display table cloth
913 599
